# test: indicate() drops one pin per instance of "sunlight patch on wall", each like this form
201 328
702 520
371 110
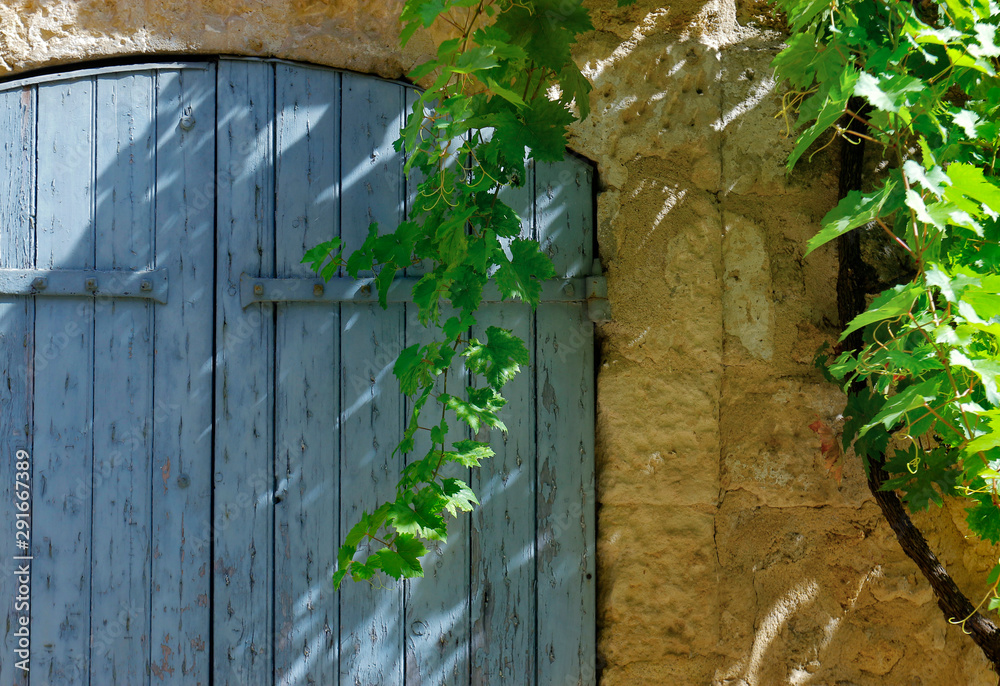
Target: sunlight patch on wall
593 70
760 91
672 196
749 667
801 675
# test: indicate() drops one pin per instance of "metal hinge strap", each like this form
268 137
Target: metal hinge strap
591 290
93 283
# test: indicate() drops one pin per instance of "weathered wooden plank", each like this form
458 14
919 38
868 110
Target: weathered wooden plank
76 73
17 250
63 442
372 189
565 433
244 457
183 391
564 208
307 372
123 367
503 549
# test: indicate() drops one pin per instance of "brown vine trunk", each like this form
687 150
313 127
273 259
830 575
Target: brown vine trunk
950 598
851 279
852 275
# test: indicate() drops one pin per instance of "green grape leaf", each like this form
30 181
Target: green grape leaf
388 561
418 520
968 182
362 571
439 433
410 549
476 59
988 440
459 497
576 88
469 453
479 410
505 93
986 41
521 276
983 519
422 70
907 400
338 578
893 303
968 121
988 370
456 326
830 101
856 209
933 178
427 295
317 256
923 477
420 471
888 92
805 12
915 365
411 369
466 292
363 259
499 359
546 31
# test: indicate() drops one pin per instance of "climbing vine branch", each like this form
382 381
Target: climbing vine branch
920 364
502 90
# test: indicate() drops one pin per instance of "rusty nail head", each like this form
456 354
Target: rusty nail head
258 289
40 283
90 284
146 285
318 290
366 289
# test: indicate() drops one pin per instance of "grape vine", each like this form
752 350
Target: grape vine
919 80
502 91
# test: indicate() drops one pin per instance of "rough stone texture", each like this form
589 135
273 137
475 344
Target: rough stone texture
707 388
361 35
727 554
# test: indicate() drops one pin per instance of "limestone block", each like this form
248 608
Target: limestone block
770 450
655 449
659 584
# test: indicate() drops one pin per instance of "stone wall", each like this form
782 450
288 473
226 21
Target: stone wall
727 553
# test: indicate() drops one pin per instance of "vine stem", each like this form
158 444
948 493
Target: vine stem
893 236
444 409
953 603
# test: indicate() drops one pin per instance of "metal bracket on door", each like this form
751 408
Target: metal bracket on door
592 290
147 285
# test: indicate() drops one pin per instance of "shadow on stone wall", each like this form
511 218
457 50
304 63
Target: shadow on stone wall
753 564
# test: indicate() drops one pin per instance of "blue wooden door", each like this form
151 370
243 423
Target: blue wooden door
194 432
